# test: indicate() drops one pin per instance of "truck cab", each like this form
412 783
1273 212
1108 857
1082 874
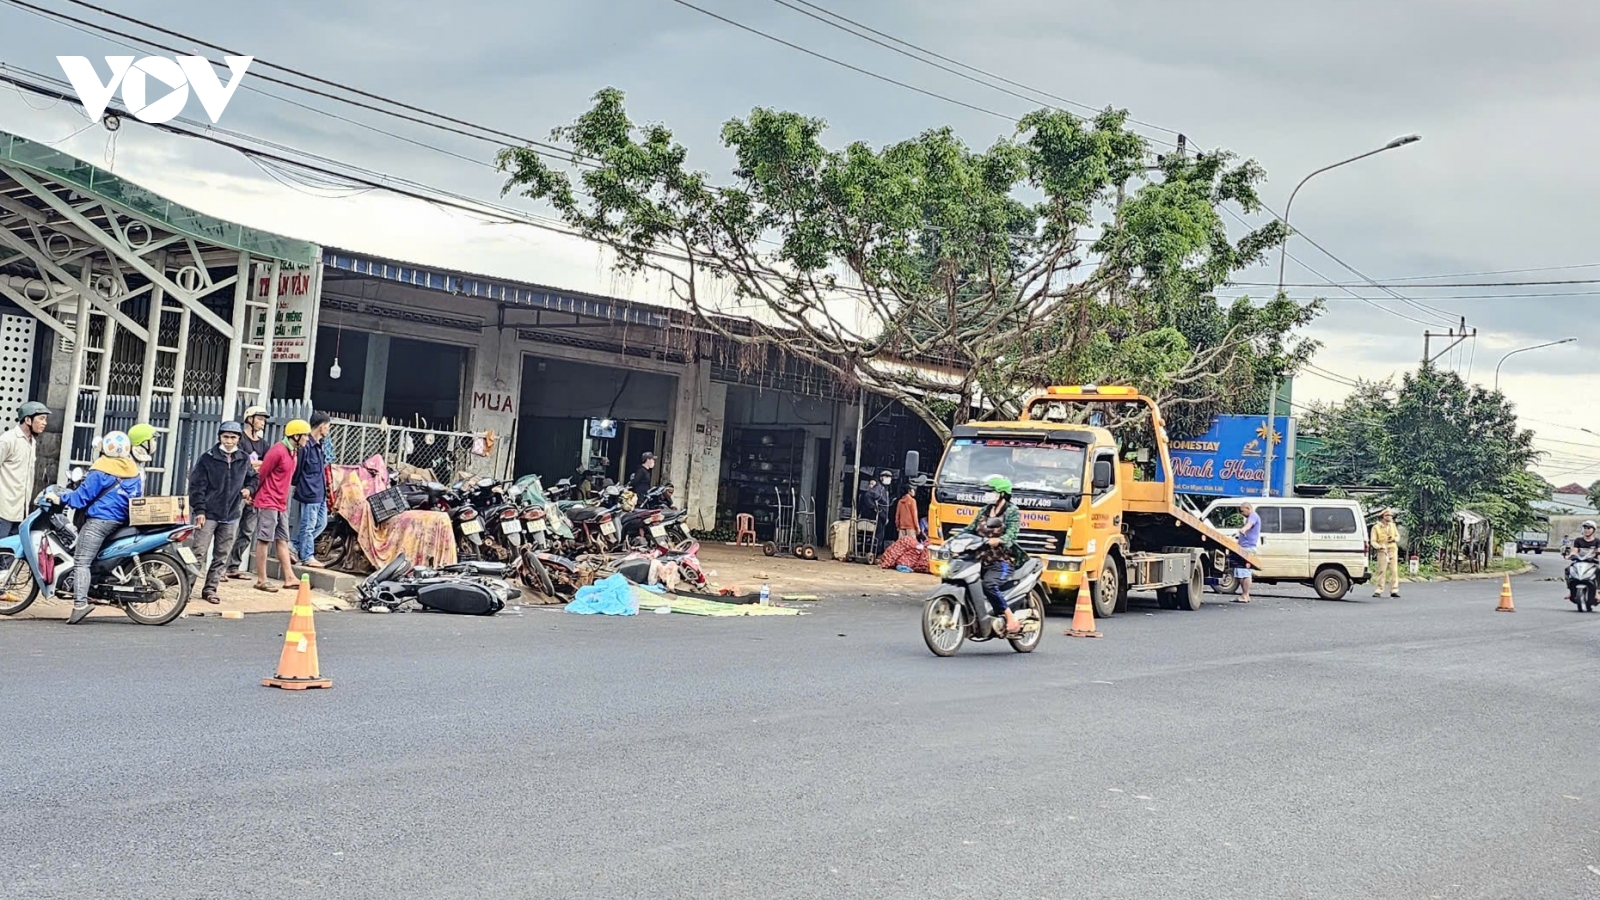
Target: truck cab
1090 473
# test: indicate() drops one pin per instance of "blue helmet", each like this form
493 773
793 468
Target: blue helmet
231 428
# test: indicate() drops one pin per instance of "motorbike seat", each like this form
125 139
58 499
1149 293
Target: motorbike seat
478 567
129 531
587 513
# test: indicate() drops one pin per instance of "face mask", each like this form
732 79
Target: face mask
885 480
991 498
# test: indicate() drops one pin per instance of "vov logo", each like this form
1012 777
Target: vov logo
178 74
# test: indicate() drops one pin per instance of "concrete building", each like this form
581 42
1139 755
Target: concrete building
562 379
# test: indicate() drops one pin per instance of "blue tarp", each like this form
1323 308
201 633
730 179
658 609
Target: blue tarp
609 597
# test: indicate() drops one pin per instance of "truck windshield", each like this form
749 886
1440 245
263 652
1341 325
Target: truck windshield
1033 467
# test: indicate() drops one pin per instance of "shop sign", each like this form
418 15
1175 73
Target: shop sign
294 322
493 401
1229 460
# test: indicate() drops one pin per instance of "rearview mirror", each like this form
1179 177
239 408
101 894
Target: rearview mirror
1102 474
913 464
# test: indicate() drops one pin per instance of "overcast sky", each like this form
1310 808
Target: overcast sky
1504 96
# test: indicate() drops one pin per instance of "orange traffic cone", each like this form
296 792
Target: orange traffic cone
1083 617
1505 598
297 667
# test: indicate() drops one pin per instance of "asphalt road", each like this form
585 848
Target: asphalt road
1426 747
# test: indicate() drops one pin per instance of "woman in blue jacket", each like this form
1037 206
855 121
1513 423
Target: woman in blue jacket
112 481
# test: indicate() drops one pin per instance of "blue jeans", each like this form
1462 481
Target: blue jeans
313 519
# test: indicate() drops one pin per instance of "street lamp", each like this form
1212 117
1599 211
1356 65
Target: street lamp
1524 350
1283 252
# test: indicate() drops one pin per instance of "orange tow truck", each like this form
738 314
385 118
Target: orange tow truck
1091 473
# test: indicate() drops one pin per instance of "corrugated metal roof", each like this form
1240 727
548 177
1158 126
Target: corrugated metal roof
53 166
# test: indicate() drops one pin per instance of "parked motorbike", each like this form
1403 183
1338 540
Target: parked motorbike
1583 578
958 611
469 588
671 529
143 569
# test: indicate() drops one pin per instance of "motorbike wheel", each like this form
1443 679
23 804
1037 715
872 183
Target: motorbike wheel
18 589
174 595
942 628
333 546
1036 602
534 574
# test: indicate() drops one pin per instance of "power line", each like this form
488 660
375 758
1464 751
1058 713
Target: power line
839 62
850 24
488 136
1517 296
1457 284
1495 272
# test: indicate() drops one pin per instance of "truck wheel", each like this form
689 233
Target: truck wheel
1332 584
1107 593
1187 596
1168 598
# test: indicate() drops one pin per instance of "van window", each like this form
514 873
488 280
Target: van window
1293 520
1269 519
1333 520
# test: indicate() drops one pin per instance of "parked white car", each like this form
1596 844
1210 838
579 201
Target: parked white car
1321 543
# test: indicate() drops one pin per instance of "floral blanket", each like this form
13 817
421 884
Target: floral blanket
424 536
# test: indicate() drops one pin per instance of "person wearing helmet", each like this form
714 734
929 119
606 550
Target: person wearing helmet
1589 540
1385 541
19 453
112 481
254 445
1003 555
142 437
272 504
218 488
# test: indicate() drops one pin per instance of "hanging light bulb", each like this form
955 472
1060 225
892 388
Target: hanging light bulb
334 370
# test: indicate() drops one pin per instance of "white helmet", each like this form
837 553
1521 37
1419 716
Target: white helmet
116 445
1589 524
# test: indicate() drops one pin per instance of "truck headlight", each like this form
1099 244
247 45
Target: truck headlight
1065 565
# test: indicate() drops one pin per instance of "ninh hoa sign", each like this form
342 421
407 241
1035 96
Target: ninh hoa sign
1229 460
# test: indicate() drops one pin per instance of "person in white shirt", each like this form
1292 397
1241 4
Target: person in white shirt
19 451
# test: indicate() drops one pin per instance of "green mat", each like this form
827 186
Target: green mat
695 606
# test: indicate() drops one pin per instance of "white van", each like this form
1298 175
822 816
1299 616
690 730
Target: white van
1322 543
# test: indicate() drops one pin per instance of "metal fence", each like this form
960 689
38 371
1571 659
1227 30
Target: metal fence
420 452
443 455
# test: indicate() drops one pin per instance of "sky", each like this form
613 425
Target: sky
1502 94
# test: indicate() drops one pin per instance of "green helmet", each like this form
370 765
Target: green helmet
32 408
999 484
141 434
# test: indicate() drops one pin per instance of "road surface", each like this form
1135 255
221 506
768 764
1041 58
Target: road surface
1426 747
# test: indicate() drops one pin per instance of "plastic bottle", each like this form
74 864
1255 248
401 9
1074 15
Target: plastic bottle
766 594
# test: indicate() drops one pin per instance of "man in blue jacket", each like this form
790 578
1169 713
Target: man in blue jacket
219 485
311 490
112 481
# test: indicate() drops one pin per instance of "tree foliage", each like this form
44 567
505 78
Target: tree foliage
945 277
1438 445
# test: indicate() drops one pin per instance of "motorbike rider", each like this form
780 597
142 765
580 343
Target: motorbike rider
142 436
1589 540
112 481
1003 554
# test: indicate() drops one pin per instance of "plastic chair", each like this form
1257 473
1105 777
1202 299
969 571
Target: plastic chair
745 527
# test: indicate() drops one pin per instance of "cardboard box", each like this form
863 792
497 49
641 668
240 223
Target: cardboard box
158 510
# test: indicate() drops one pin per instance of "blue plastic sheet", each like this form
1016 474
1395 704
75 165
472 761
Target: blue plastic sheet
610 597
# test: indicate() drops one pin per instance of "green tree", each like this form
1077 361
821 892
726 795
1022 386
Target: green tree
947 278
1593 495
1451 446
1437 445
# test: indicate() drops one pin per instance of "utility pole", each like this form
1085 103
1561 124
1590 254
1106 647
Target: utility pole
1455 337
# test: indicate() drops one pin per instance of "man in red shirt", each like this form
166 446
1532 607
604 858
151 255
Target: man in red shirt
272 504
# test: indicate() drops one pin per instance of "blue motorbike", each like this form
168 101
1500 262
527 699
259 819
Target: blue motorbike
143 569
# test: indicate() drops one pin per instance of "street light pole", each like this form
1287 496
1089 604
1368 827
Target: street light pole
1283 252
1524 350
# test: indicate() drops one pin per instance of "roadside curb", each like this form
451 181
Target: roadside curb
1470 576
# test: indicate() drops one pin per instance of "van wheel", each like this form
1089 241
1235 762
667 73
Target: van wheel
1332 584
